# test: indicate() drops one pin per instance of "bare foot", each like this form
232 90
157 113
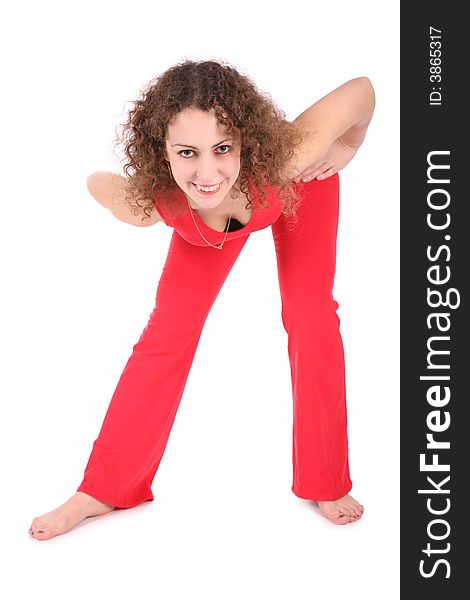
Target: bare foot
65 517
341 511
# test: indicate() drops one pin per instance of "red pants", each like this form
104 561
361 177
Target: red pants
135 430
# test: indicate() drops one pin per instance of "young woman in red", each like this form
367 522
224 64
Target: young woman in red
211 157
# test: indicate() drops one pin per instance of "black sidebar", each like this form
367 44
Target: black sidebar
435 273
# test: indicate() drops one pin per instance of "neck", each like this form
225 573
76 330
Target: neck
227 204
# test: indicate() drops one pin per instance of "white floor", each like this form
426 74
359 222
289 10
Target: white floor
78 287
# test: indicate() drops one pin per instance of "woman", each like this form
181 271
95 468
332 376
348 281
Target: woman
214 159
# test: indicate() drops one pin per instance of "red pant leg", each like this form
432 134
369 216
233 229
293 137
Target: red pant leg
306 260
137 424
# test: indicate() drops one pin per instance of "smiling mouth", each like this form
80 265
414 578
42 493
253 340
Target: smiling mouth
208 189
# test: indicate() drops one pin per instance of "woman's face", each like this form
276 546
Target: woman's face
200 153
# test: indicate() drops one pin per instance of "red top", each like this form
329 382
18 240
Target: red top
184 225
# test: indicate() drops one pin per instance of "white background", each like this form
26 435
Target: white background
79 286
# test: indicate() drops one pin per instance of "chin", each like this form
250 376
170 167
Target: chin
206 204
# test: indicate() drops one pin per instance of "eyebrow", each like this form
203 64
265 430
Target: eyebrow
194 148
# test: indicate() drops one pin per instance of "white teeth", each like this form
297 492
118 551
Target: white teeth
208 189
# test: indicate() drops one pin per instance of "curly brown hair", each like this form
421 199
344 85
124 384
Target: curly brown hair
267 140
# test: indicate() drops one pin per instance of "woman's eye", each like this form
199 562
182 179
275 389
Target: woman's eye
223 146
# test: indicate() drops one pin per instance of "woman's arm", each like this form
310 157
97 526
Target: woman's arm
335 127
109 189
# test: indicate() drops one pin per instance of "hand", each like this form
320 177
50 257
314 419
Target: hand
336 158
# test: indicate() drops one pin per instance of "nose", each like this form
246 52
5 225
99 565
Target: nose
207 172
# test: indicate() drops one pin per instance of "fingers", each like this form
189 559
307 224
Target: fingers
319 172
328 173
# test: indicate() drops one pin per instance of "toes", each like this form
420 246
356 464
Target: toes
346 509
343 511
359 509
339 519
345 519
358 506
351 518
348 513
41 535
38 529
353 506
